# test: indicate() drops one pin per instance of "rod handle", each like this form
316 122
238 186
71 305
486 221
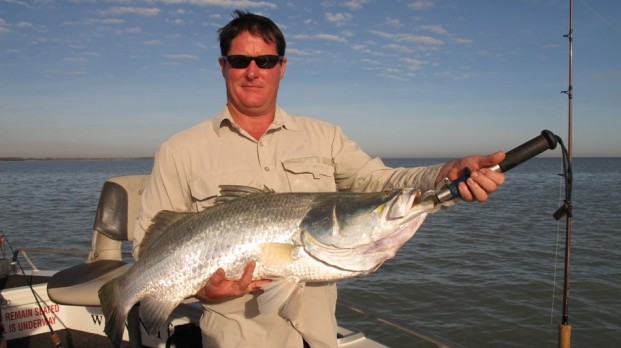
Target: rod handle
545 141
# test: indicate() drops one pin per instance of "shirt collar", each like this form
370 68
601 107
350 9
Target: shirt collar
282 119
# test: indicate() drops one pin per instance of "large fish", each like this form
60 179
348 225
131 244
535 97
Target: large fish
293 237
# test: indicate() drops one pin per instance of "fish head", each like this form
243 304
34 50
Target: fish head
349 220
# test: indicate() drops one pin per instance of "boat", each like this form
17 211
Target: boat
60 308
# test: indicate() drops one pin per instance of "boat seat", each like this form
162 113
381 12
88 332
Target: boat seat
114 224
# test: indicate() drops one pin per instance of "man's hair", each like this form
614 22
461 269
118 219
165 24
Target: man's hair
254 24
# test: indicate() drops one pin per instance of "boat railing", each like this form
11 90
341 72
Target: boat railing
46 250
43 250
398 324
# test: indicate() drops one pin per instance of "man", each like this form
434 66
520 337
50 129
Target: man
254 142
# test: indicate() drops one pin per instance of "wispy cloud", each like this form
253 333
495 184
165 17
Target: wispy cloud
304 52
412 63
436 29
338 18
420 39
325 37
3 26
182 56
405 37
123 10
463 41
24 25
223 3
382 34
365 49
454 75
398 48
134 30
440 30
355 4
112 21
153 42
59 72
420 4
395 22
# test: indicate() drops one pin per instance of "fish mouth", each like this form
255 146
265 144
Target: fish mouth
402 205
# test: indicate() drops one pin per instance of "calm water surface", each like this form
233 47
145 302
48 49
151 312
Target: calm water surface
482 275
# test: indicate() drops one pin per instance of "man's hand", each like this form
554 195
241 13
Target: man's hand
219 289
481 182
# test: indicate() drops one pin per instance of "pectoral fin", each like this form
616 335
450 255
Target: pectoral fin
276 294
273 256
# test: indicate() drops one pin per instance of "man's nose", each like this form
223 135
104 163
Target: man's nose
252 71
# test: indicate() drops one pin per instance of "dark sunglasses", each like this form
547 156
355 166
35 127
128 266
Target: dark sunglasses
263 62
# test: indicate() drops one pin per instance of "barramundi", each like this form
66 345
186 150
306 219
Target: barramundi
294 238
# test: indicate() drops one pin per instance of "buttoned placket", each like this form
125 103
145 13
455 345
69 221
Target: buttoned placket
266 160
270 162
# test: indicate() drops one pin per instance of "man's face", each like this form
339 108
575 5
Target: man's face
252 91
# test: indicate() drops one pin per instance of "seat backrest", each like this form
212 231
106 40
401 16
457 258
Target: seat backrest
118 207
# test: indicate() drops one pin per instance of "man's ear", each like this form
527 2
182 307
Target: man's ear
283 67
222 63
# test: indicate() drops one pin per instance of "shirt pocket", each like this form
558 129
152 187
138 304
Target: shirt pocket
203 192
310 174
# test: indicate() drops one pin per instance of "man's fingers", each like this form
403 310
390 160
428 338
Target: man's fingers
488 180
250 266
246 277
493 159
491 179
217 277
464 192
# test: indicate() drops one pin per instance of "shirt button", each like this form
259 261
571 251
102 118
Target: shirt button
267 169
261 143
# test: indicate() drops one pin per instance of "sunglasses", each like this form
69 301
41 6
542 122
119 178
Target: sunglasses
263 62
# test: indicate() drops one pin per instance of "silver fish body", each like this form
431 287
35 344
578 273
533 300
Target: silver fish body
293 237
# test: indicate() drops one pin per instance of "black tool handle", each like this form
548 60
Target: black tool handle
546 141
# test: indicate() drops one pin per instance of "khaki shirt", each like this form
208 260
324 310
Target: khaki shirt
296 154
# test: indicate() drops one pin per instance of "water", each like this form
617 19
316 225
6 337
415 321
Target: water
53 203
482 275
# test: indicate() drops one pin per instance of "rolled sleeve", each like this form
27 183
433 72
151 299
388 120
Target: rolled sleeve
358 172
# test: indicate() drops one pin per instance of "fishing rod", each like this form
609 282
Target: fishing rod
564 330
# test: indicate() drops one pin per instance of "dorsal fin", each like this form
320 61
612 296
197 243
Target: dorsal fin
231 192
159 225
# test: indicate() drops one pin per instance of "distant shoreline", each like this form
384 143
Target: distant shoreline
72 158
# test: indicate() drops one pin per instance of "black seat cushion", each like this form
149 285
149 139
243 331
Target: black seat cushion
80 284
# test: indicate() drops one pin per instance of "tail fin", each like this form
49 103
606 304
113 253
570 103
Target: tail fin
115 316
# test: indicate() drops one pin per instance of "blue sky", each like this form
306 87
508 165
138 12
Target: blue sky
412 78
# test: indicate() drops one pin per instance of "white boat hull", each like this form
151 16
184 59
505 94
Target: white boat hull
23 318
